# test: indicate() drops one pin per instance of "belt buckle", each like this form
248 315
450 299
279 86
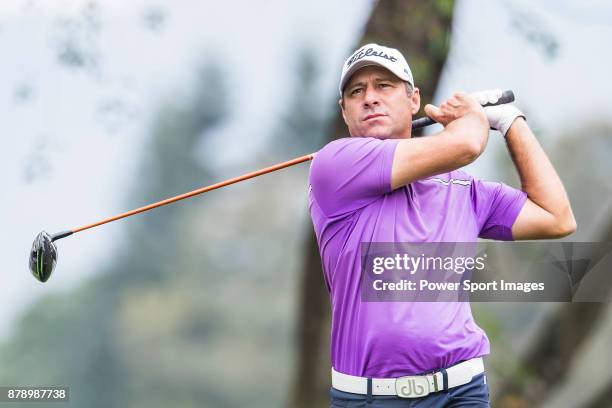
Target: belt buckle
412 386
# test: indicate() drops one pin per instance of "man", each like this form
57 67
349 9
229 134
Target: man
377 186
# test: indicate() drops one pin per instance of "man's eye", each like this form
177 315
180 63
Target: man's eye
355 91
384 85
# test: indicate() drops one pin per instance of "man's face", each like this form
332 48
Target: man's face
376 104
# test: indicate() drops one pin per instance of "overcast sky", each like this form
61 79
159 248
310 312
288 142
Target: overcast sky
72 136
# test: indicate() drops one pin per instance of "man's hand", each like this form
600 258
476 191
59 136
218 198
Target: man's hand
463 117
500 117
462 140
457 106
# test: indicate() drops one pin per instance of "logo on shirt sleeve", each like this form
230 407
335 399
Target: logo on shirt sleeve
451 181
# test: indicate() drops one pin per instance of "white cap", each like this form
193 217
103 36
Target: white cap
374 54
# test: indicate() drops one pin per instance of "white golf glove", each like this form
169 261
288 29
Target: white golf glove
500 117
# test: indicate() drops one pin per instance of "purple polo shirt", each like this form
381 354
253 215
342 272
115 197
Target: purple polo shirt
351 201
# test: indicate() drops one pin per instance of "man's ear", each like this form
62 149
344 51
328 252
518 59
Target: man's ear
342 110
416 100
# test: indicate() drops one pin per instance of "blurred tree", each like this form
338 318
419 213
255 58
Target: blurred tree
100 339
302 127
550 356
173 168
155 19
78 39
534 30
420 30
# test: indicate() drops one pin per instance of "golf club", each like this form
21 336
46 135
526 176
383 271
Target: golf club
43 255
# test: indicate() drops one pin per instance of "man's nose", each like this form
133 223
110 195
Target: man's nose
370 98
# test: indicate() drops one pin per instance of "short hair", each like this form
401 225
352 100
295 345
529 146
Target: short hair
409 88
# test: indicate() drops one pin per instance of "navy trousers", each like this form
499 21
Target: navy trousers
474 394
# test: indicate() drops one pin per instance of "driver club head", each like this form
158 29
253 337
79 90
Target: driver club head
43 257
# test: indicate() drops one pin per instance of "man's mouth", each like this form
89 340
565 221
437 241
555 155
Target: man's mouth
372 116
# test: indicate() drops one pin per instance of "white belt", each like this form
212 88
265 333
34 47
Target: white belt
411 386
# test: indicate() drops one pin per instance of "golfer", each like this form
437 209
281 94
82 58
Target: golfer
382 185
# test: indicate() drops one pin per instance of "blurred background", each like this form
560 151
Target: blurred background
219 301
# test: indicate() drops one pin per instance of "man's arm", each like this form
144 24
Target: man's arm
463 139
547 213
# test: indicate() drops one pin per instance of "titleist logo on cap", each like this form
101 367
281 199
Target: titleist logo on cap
366 53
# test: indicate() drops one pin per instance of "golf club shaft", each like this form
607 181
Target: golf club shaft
170 200
507 97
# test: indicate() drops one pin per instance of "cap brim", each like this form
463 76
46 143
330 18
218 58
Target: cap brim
365 62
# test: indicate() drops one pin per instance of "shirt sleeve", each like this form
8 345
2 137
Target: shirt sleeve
348 174
496 206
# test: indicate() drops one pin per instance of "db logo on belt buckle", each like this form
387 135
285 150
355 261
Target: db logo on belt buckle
412 386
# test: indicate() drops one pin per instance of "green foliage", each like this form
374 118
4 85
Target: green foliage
198 298
303 124
445 7
101 337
